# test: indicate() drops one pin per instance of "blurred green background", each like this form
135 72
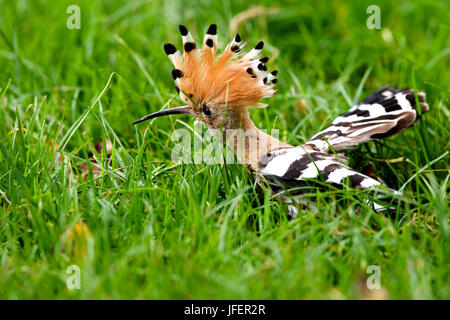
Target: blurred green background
140 226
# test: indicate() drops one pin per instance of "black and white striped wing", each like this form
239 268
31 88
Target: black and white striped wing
384 113
288 165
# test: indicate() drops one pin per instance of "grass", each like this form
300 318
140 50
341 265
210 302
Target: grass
140 226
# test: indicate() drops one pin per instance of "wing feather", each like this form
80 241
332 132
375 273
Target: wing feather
297 164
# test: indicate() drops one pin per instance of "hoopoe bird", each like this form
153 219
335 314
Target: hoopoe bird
219 90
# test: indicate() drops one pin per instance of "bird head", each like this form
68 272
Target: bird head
218 89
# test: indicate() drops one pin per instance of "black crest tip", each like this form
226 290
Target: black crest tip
260 45
212 30
237 38
189 46
176 73
183 30
169 48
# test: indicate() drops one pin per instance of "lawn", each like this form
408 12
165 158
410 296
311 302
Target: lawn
138 226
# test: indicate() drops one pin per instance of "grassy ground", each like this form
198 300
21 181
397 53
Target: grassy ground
140 226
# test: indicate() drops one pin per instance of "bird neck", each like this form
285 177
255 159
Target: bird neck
248 142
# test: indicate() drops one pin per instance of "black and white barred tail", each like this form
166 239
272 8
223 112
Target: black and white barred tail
384 113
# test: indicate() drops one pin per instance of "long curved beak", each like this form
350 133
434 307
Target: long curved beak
178 110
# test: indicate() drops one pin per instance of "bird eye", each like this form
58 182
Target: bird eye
206 110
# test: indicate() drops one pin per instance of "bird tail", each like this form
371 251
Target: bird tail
384 113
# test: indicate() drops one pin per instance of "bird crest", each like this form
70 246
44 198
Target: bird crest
217 87
232 78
